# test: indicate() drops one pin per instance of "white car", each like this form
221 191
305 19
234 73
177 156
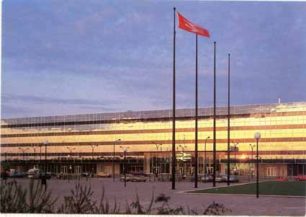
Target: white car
33 173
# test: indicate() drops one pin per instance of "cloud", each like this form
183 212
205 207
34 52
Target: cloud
77 56
42 100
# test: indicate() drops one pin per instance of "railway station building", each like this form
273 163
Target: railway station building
141 141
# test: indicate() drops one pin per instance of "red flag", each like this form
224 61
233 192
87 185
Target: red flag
191 27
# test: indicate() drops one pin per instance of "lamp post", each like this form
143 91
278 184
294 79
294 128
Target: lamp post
70 150
125 149
92 150
183 147
70 171
168 160
236 149
205 154
92 155
23 151
113 161
257 136
40 155
162 169
34 152
183 151
156 163
46 144
252 148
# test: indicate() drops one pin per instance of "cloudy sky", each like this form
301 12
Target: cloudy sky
86 56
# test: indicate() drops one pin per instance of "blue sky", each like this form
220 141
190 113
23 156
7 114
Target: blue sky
70 57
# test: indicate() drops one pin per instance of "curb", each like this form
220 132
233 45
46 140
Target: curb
237 184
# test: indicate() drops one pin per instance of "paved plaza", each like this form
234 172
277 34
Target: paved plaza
239 204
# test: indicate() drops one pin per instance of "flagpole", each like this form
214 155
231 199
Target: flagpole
214 133
196 118
228 118
173 108
185 24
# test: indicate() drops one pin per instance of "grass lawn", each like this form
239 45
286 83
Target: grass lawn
292 188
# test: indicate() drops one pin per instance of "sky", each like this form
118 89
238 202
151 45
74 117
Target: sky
91 56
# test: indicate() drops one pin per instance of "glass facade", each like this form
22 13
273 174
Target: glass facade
98 140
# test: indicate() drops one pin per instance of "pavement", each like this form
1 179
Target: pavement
239 204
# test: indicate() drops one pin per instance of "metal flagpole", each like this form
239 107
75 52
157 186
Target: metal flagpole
214 133
173 109
196 119
228 120
257 170
113 161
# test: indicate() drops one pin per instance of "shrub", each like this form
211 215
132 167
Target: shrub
79 201
216 209
15 199
104 206
136 207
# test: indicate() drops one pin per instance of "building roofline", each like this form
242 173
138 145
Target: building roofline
151 114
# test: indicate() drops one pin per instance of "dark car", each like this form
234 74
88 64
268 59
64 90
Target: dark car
85 174
133 178
207 178
18 175
46 175
232 178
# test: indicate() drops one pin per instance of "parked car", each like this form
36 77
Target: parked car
207 178
232 178
139 174
103 175
133 178
281 179
220 178
85 174
33 173
47 175
18 175
300 178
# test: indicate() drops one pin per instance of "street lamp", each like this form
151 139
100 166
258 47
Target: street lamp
183 147
70 172
257 136
40 155
183 159
23 151
252 148
156 163
70 149
168 159
113 162
33 146
125 149
46 144
92 150
92 155
235 150
205 154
